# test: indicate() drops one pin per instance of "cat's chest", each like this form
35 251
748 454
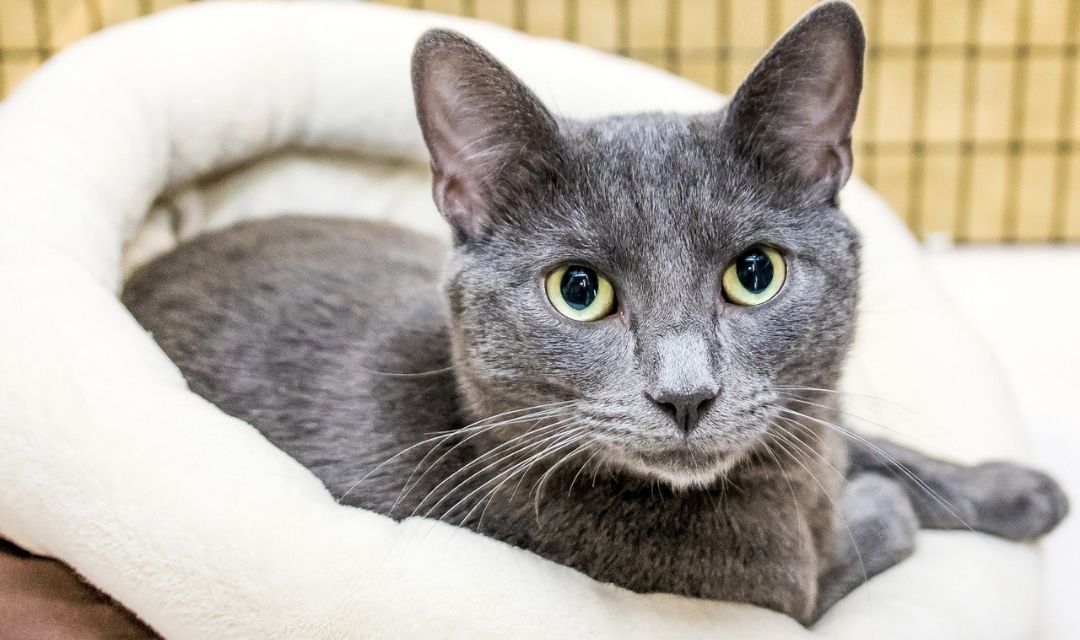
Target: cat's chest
648 538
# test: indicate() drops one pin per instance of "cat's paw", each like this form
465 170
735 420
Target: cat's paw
1016 502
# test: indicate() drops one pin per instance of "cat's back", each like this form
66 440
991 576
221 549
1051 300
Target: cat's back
307 285
290 324
263 264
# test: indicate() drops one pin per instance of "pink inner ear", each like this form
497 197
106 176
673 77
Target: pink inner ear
458 202
450 126
458 137
487 133
823 106
830 115
825 129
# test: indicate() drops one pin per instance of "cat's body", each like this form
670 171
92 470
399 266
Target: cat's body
632 351
330 336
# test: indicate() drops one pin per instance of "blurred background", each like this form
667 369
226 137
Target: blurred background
969 118
968 127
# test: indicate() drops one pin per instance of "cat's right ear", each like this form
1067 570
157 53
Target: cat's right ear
489 137
794 113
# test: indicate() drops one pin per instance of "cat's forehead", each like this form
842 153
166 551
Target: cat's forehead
661 179
648 147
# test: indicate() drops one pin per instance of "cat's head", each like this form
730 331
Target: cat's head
649 282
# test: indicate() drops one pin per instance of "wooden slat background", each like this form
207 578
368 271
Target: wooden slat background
969 120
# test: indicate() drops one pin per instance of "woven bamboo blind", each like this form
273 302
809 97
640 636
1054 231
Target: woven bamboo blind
969 119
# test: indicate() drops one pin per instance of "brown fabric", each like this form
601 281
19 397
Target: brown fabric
44 599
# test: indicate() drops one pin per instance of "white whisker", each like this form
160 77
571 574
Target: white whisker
893 461
546 449
545 437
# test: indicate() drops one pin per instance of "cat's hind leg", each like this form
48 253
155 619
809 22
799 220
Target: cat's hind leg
999 498
877 532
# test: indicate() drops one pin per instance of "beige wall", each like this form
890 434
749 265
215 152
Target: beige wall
969 118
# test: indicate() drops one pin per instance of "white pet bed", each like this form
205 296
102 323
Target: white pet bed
205 530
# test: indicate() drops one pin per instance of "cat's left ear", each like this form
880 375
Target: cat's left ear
490 138
794 113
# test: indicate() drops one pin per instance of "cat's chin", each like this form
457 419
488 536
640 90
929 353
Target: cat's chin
679 467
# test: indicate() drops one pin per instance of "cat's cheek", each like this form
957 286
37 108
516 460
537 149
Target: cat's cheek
759 343
590 358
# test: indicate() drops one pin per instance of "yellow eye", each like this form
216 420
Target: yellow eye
755 277
579 293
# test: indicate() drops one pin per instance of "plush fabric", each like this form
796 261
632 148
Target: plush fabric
192 520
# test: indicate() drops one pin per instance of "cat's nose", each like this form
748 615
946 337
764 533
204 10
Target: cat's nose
684 407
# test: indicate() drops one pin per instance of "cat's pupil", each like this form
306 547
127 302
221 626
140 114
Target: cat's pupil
755 270
579 287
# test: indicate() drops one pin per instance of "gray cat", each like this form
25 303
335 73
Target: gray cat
628 365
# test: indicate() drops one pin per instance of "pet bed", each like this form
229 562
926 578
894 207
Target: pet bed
200 116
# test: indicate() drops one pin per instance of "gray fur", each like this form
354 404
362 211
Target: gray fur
340 342
879 531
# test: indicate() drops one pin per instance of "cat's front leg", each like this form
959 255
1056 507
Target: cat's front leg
773 533
999 498
877 531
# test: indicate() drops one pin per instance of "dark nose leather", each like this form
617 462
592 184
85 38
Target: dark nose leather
685 408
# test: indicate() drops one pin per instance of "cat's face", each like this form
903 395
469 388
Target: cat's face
659 277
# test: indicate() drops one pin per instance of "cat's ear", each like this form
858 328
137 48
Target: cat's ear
489 137
794 113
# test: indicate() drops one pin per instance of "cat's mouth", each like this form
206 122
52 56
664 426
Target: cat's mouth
680 458
682 466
